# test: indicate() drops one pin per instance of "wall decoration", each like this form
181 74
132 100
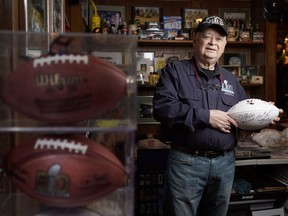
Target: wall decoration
140 15
191 17
252 70
159 63
112 14
234 69
145 65
172 57
145 110
234 13
44 16
56 16
36 15
240 59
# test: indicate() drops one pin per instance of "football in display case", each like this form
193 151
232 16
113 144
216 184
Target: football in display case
68 115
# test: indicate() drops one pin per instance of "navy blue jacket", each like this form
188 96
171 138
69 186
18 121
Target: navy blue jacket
182 101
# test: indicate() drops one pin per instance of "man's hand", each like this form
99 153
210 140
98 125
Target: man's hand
277 118
221 121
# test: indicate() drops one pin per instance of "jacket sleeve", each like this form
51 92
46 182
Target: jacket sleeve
168 108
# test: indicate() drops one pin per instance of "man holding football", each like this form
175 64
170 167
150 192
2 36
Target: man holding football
191 101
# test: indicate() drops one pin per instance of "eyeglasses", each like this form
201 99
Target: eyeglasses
210 37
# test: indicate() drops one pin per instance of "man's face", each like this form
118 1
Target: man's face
209 44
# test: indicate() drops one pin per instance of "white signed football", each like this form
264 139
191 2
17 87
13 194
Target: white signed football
253 114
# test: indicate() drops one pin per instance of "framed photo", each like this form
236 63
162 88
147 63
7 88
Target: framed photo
145 14
56 17
240 59
159 63
252 70
234 69
235 13
36 16
145 54
192 16
113 57
44 16
145 110
171 57
145 64
112 14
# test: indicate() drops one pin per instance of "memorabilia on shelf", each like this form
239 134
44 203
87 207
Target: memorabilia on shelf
191 17
141 15
172 26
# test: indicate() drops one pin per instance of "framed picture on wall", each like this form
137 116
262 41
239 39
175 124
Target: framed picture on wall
141 15
44 16
56 16
36 15
252 70
192 16
145 110
234 13
234 69
240 59
112 14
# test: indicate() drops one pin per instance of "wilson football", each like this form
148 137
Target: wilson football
64 170
67 88
253 114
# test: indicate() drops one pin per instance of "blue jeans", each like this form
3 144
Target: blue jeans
195 185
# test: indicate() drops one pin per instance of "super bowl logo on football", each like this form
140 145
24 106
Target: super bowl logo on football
65 170
52 182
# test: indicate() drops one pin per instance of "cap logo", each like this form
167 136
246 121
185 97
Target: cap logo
214 20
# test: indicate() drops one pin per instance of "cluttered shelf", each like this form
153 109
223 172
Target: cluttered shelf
189 42
266 147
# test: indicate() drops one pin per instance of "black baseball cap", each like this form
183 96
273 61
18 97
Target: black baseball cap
213 22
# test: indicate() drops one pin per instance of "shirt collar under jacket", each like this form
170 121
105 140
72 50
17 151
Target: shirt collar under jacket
200 71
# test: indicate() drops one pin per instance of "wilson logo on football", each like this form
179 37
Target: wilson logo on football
57 80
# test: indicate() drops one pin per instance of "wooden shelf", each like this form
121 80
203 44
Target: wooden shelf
190 42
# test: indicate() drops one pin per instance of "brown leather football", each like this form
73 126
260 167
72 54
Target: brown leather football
64 88
65 170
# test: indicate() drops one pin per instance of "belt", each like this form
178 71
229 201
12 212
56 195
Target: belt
206 154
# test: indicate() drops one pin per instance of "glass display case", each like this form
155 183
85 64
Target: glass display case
32 99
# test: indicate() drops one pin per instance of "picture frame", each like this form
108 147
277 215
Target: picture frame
191 17
44 16
241 59
159 63
145 54
36 16
234 69
141 15
238 13
171 57
56 16
41 17
144 65
113 14
112 57
145 110
252 70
